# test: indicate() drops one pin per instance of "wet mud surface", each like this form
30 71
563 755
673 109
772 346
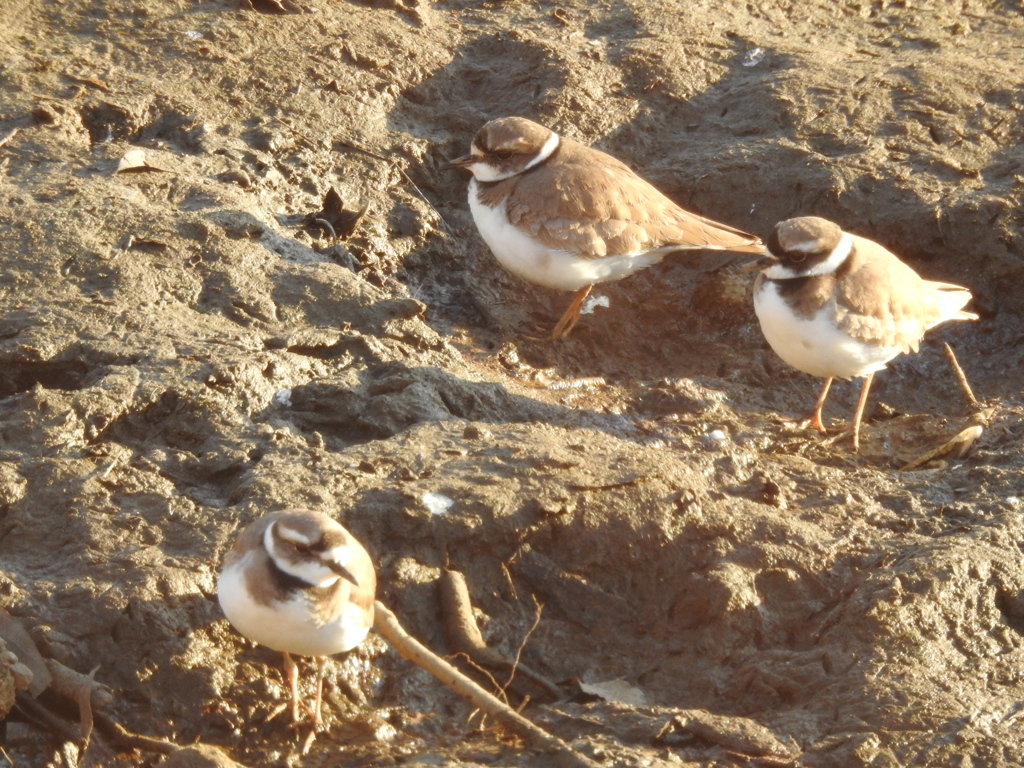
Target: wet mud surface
181 351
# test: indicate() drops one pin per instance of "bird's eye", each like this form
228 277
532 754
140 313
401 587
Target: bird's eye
503 154
798 257
303 549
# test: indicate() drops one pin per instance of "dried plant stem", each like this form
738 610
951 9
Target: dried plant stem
125 739
522 645
465 637
961 377
414 651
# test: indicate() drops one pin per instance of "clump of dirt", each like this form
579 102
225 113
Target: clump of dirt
183 348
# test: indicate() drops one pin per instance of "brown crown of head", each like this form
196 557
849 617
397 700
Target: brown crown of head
803 240
507 144
322 533
509 136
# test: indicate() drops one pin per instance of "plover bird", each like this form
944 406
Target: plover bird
837 305
563 215
298 582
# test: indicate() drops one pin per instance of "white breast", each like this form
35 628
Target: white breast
531 260
287 626
816 346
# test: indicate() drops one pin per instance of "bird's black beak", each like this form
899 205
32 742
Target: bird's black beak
759 264
459 162
342 571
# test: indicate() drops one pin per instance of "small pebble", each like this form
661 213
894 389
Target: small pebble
241 178
753 57
473 432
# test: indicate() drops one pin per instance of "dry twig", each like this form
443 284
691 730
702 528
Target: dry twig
125 739
961 377
955 447
469 660
464 634
522 644
414 651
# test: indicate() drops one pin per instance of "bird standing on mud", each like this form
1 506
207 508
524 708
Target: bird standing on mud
298 582
563 215
837 305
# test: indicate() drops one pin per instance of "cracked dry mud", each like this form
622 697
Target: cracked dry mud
180 353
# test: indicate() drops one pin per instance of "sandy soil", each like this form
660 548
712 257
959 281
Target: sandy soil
181 352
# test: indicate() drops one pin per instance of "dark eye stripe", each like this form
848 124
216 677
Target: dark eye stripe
308 549
775 249
773 245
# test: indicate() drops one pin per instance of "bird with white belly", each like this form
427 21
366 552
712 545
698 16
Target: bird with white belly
298 582
565 216
836 305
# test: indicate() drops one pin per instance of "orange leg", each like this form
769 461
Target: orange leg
291 673
321 662
860 410
572 314
814 420
315 720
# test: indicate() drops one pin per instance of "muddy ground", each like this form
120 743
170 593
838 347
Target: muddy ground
181 353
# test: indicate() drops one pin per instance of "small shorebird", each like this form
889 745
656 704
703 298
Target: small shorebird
563 215
837 305
298 582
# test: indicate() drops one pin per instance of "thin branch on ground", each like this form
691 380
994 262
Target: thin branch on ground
122 737
522 644
412 650
464 634
961 377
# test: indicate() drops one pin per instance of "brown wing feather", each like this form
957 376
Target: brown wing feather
251 537
362 568
883 301
579 216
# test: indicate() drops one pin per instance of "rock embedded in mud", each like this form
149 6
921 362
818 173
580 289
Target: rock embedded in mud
200 756
12 485
740 735
14 677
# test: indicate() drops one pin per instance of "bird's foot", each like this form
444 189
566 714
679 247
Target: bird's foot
571 316
308 741
537 335
564 328
277 710
315 724
835 434
297 718
814 421
839 434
